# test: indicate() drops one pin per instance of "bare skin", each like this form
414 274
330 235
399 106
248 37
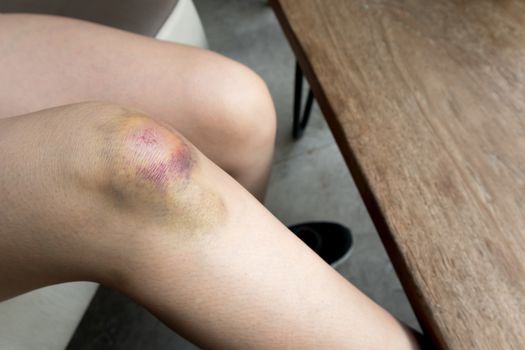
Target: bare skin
219 105
124 200
95 192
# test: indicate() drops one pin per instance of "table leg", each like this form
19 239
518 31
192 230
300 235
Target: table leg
299 124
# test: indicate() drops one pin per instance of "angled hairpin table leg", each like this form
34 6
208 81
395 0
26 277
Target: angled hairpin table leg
300 122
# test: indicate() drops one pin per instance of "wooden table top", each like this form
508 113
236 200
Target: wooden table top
426 100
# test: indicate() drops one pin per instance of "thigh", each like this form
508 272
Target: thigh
47 61
49 160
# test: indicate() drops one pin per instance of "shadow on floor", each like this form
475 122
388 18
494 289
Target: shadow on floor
114 321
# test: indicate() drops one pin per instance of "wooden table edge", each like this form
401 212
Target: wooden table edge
421 308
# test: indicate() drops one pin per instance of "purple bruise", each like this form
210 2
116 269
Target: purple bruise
147 136
159 173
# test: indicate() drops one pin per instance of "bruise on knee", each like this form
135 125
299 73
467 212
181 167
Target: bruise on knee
155 174
160 161
151 157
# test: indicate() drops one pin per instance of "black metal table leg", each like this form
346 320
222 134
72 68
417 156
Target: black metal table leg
299 123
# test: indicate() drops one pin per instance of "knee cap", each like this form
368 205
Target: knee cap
152 174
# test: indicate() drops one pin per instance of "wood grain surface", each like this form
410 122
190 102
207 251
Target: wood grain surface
426 100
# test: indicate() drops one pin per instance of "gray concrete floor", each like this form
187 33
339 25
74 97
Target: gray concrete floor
309 181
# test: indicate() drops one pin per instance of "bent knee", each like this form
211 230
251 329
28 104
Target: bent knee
147 170
248 104
238 113
148 159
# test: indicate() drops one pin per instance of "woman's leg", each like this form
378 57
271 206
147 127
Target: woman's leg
219 105
94 192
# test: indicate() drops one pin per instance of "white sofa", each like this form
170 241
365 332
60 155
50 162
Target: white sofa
45 319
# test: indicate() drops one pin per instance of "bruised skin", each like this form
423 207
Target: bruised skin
83 186
151 160
175 161
157 173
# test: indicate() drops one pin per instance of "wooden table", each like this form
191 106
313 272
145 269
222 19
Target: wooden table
426 100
